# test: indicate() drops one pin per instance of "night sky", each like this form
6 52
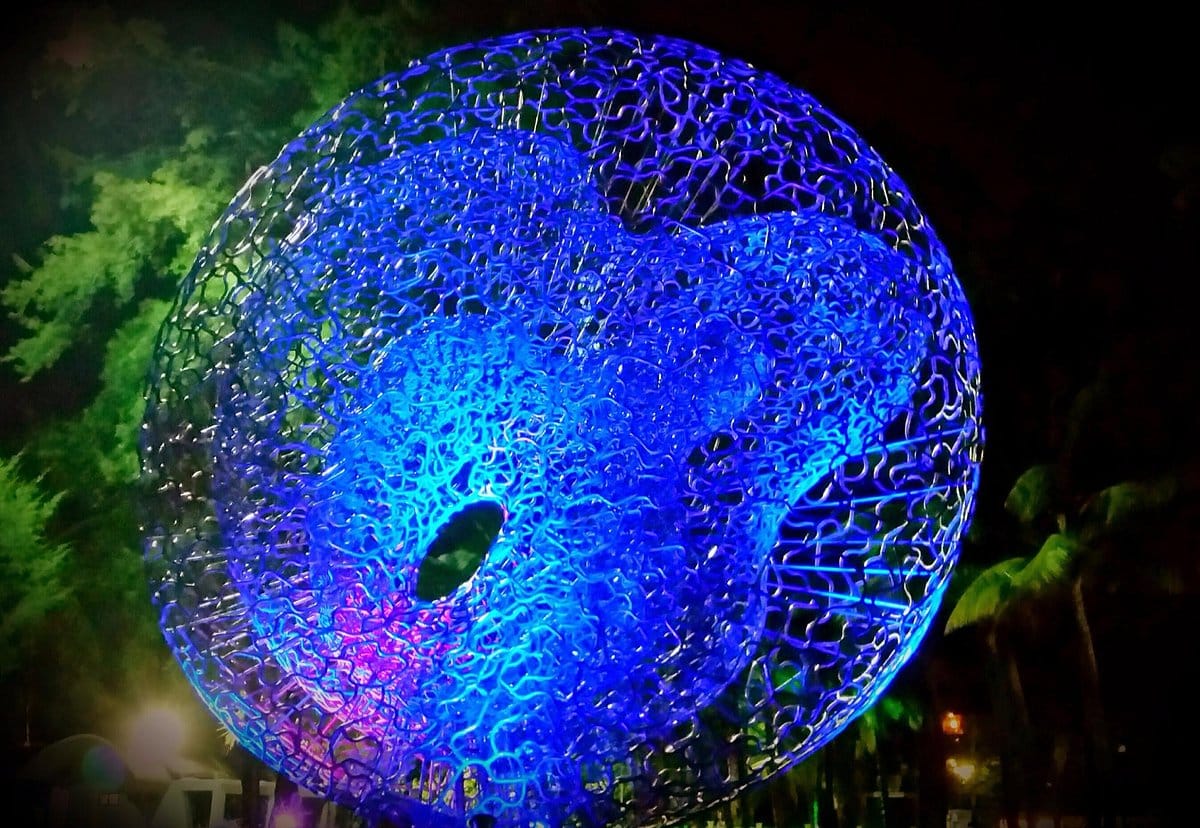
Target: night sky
1037 145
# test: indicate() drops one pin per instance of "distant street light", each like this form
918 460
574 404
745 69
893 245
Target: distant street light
287 820
952 723
962 768
154 742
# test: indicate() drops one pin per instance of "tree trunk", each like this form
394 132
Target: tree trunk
782 805
931 769
1012 718
728 819
251 774
847 779
827 811
1099 759
881 774
732 809
739 771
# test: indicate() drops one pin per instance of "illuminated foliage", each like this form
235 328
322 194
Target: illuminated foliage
30 565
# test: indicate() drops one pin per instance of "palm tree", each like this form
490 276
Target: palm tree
1084 527
990 601
1087 526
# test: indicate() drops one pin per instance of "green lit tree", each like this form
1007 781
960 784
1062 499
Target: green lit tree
32 580
145 130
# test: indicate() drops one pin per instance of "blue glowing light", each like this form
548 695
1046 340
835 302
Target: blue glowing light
677 328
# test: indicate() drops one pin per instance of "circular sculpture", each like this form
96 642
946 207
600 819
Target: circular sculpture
576 427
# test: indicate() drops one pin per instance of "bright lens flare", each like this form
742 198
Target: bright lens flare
154 740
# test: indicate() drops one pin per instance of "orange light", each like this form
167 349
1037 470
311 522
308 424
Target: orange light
952 723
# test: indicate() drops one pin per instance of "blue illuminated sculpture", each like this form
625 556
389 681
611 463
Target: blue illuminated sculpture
665 338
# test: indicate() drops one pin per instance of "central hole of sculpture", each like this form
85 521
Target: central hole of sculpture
458 549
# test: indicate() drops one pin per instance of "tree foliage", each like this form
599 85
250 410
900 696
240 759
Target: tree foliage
148 127
151 203
31 566
987 595
142 231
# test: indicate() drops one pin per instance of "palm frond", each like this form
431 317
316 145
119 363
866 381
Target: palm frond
987 596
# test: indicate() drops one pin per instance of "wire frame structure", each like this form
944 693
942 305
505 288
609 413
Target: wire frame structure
574 428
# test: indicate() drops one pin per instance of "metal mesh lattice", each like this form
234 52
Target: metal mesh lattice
679 328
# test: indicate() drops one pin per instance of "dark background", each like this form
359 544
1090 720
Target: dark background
1038 144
